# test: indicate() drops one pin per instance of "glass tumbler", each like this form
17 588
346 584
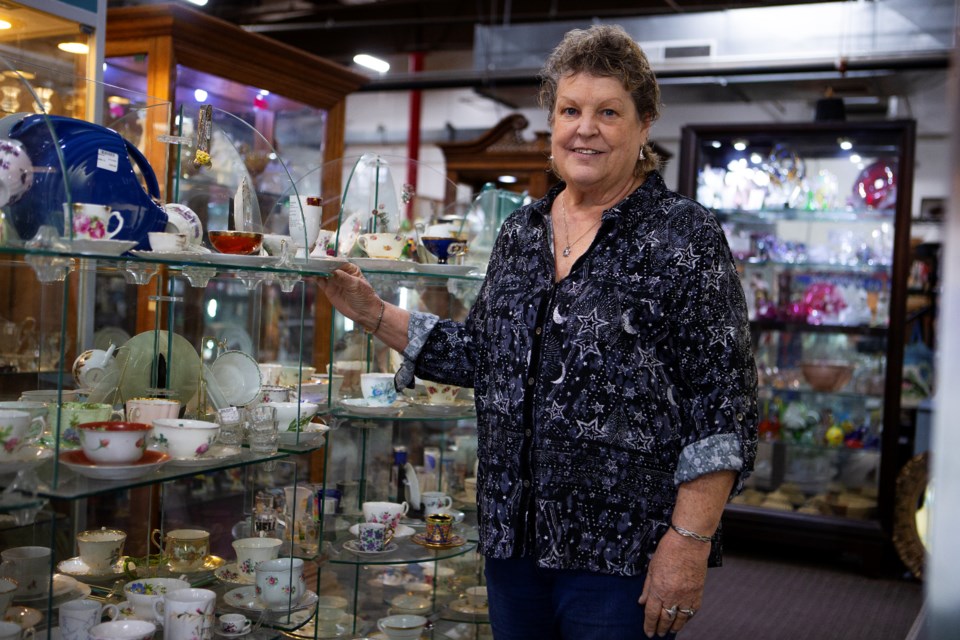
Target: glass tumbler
263 437
231 426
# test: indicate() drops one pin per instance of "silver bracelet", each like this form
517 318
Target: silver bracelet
686 533
379 320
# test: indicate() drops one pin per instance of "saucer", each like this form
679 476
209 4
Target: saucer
246 598
238 375
402 531
312 434
362 407
77 568
464 607
455 541
446 269
239 260
216 453
353 547
459 407
318 264
384 264
78 462
101 247
26 617
62 585
231 573
240 634
28 457
209 566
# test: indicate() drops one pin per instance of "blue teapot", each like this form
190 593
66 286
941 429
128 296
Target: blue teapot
98 170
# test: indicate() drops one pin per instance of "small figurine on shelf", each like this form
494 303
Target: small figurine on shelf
201 157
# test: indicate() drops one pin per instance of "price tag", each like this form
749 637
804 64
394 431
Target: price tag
107 160
173 139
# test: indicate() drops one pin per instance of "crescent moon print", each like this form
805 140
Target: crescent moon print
563 374
557 317
625 321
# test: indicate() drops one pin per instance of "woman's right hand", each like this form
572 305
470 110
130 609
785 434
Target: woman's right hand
352 295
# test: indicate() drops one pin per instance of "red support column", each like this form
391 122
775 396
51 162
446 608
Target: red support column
413 135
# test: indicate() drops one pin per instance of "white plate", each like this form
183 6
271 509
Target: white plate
318 264
238 260
26 617
77 568
402 531
231 573
28 457
173 256
462 606
446 269
224 634
362 407
62 585
384 264
246 598
216 453
78 462
238 375
311 435
413 485
458 407
353 547
101 247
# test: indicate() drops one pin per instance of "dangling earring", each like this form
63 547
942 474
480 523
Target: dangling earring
641 156
550 159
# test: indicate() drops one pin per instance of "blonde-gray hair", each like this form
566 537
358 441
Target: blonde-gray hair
605 51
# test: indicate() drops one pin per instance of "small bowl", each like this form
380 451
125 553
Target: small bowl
273 244
242 243
142 594
123 630
165 242
287 414
827 376
114 442
185 439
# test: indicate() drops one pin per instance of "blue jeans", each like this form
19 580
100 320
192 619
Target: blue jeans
530 603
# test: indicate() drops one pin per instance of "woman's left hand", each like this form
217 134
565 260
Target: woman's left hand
673 589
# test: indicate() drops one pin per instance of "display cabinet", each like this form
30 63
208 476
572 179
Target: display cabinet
817 216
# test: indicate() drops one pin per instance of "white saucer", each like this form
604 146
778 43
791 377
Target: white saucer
446 269
462 606
239 260
28 457
318 264
77 568
26 617
311 435
174 256
246 598
362 407
224 634
402 531
238 376
384 264
77 461
458 407
101 247
62 585
216 453
231 573
352 547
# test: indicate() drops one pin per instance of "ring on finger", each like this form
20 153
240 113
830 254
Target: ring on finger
687 612
671 612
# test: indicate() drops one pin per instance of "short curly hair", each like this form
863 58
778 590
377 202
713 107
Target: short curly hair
605 51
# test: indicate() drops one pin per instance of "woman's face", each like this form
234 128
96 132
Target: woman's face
597 133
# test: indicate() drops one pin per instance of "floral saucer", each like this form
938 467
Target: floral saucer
77 568
402 531
26 617
362 407
246 598
231 573
455 541
353 546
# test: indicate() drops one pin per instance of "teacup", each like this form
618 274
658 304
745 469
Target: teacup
382 245
13 631
101 549
146 596
306 212
36 409
77 617
322 388
378 388
325 244
275 393
93 365
93 221
75 413
251 551
293 416
435 502
233 624
292 375
439 528
123 630
185 549
167 242
184 439
147 410
439 393
280 582
276 243
30 567
188 614
16 171
444 249
8 587
270 372
477 596
388 513
16 431
114 442
374 536
405 626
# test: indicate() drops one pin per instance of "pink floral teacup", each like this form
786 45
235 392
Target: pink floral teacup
93 221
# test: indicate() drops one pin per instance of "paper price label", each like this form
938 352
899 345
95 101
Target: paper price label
107 160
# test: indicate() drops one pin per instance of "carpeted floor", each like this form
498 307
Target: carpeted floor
755 597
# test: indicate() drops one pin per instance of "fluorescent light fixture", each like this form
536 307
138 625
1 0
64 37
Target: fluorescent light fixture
79 48
507 179
19 73
5 25
370 62
199 95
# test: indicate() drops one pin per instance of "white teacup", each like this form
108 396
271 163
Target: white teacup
440 393
382 245
8 587
30 567
292 375
17 429
77 617
293 416
250 551
185 549
388 513
146 596
306 213
146 410
93 365
270 372
188 614
280 582
435 502
100 549
325 244
94 221
402 627
12 631
233 624
378 388
16 171
185 439
477 596
123 630
275 393
275 244
167 242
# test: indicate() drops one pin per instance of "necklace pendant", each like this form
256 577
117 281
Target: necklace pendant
566 252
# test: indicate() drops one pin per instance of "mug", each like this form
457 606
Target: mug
439 526
100 549
251 551
305 215
146 410
374 536
123 630
8 586
146 596
30 567
234 623
185 549
16 431
77 617
435 502
92 221
388 513
12 631
188 614
280 582
382 245
378 388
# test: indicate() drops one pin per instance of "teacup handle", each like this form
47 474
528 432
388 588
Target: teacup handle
156 539
405 508
110 610
133 415
158 609
115 215
446 502
362 241
246 624
117 415
35 433
27 634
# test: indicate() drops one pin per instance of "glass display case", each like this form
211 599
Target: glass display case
818 219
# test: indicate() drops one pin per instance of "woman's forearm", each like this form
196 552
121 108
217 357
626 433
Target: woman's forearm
700 502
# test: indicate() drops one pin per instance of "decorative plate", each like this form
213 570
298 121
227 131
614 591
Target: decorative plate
246 598
455 541
413 485
28 457
445 269
384 264
402 531
231 573
101 247
353 546
361 407
238 375
78 462
138 364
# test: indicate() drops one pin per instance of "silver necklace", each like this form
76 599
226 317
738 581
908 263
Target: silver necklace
566 229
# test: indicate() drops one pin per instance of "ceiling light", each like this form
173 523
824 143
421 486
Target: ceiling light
740 144
715 144
199 95
756 158
845 143
855 158
79 48
5 25
19 73
118 100
199 3
264 92
370 62
507 179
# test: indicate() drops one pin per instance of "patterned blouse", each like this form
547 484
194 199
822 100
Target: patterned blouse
599 394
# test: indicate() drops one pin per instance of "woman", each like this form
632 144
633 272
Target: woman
609 354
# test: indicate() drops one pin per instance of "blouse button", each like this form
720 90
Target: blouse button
538 330
526 483
530 381
739 416
528 432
